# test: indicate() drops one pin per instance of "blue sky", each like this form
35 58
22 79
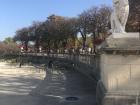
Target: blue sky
15 14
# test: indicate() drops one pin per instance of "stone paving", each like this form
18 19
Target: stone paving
27 87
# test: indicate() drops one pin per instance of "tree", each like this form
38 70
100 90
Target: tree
94 24
35 33
8 40
8 47
58 32
99 22
72 30
83 26
22 35
104 20
133 23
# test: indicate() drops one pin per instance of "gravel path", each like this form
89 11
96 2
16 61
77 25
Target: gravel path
16 83
27 86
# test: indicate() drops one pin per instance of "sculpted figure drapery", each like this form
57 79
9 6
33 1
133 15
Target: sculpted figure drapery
119 16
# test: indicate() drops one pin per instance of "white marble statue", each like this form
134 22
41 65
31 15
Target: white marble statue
119 16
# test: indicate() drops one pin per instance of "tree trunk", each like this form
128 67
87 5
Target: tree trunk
26 46
94 44
49 48
84 43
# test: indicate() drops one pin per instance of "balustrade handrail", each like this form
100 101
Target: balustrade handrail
46 54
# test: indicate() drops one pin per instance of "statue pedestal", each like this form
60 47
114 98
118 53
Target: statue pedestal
120 70
123 41
126 35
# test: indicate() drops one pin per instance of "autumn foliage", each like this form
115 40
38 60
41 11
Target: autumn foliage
7 49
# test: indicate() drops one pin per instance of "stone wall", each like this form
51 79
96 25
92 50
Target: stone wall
89 65
86 64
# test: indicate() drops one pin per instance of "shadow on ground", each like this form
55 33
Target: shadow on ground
23 87
61 83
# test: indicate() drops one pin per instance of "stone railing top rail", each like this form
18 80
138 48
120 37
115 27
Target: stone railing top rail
57 54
